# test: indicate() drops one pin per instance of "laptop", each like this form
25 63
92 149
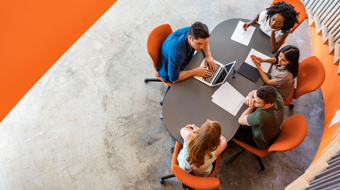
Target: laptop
219 76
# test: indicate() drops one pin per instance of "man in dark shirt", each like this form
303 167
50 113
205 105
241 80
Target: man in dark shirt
260 123
177 50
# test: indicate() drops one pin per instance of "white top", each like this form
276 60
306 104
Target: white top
203 170
264 25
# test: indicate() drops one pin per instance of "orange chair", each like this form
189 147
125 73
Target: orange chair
189 180
293 132
299 7
310 77
154 44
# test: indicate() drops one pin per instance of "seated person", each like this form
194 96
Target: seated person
260 123
284 70
201 147
280 16
177 50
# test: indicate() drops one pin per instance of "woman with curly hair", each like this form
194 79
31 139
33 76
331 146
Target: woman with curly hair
284 70
276 22
201 147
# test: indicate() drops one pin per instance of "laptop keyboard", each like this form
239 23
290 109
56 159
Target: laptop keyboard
214 73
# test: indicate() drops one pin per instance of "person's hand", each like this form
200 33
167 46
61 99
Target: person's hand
192 127
256 60
245 26
222 138
203 72
209 61
274 30
249 101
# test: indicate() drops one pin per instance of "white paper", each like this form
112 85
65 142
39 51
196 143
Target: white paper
336 118
242 36
265 66
228 98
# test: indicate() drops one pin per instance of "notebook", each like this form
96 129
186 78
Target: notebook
219 76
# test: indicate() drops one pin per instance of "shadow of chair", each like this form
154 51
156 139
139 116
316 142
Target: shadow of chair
299 7
154 44
293 132
190 181
310 77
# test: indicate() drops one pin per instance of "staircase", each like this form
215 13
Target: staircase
325 16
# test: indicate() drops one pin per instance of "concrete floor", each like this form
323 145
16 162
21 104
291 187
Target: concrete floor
92 123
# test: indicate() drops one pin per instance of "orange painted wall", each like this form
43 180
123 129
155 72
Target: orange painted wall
330 90
34 35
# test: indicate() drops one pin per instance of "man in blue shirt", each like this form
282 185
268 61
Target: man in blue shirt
177 50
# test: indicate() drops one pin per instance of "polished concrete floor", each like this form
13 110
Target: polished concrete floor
92 123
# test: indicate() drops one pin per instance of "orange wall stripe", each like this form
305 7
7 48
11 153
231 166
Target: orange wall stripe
34 35
330 90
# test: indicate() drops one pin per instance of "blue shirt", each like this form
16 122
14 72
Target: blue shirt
174 54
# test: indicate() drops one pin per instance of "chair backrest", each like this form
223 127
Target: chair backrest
193 181
310 77
293 132
155 41
299 7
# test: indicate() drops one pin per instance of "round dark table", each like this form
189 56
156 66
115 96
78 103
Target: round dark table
189 101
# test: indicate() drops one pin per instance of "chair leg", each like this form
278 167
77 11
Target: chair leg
161 102
260 163
291 106
146 80
161 180
235 156
186 187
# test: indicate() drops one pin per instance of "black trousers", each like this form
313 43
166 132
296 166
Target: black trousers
244 134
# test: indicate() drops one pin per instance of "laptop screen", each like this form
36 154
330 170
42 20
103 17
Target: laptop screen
222 75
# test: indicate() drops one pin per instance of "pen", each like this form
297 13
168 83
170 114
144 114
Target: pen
244 31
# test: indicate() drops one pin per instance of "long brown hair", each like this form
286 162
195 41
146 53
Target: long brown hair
205 141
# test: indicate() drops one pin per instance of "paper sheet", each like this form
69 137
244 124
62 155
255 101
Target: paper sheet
242 36
335 119
228 98
265 66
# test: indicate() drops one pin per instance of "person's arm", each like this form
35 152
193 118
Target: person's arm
243 118
246 25
209 60
174 69
259 68
199 71
277 43
249 101
222 146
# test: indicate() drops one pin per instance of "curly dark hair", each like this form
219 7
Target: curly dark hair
287 11
199 30
292 54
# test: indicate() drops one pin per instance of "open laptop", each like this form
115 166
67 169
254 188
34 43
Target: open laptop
219 76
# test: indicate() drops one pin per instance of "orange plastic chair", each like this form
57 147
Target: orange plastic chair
293 132
189 180
310 77
299 7
154 44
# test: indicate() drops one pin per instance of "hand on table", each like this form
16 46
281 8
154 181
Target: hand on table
203 72
209 61
245 26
